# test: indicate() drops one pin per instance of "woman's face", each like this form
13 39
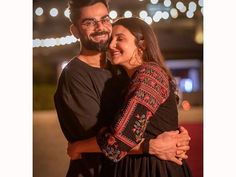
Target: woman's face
122 47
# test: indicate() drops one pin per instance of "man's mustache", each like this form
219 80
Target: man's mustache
100 33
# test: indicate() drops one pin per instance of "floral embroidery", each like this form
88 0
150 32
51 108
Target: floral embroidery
111 140
140 125
111 149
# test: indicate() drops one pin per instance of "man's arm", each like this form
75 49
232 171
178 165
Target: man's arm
88 145
170 146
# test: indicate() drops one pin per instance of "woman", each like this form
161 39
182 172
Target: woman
149 108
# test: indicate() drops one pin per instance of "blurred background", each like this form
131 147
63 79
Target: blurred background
179 28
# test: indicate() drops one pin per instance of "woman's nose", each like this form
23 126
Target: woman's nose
112 44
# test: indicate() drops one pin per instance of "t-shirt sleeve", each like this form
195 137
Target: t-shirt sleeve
148 90
77 106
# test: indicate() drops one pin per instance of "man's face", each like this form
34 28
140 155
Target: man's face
94 27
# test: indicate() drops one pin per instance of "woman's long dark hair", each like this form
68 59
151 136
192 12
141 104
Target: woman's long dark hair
152 53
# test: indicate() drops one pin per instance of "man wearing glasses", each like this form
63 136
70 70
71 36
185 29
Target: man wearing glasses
88 92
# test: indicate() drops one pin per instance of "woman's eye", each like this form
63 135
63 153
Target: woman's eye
119 39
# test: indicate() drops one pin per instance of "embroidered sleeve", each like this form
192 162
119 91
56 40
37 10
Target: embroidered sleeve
148 90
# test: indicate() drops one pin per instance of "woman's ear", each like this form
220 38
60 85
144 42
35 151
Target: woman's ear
142 45
74 31
140 51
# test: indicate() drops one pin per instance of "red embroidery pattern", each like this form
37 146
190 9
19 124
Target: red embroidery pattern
122 124
152 86
149 88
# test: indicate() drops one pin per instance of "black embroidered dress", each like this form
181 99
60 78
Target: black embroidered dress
149 110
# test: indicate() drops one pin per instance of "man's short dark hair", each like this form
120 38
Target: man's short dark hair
74 7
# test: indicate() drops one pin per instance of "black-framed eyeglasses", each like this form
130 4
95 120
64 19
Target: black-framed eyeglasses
92 22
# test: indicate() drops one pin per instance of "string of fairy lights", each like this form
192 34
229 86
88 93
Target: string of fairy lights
156 11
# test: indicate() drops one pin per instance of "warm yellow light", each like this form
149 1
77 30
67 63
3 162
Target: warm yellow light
186 105
199 35
157 16
174 13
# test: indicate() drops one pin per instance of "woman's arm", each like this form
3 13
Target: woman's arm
163 146
148 90
127 131
90 145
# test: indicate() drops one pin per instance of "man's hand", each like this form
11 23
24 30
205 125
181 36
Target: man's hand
183 137
71 151
171 145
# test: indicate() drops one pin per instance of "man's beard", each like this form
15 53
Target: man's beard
96 46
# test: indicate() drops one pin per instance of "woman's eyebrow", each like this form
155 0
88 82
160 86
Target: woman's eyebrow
119 34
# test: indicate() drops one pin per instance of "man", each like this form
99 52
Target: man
89 93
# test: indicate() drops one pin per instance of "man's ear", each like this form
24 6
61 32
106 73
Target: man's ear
74 31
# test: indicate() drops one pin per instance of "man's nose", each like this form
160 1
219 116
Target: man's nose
99 25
